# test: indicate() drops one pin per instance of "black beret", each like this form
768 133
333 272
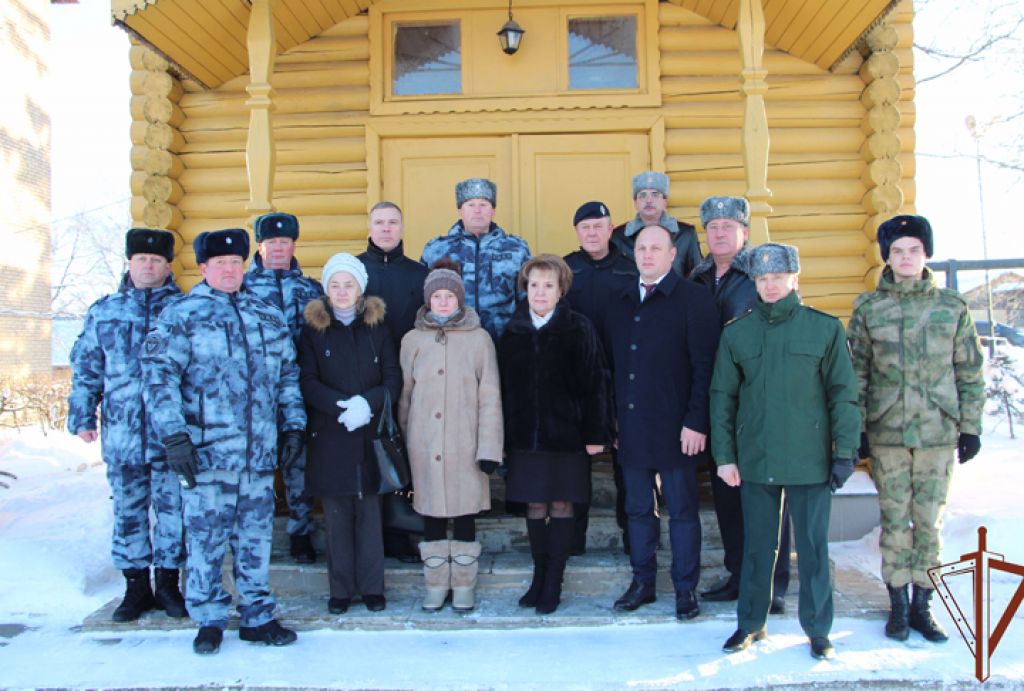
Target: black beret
149 241
905 226
218 243
590 210
275 225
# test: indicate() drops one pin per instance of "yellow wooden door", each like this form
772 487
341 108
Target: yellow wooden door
541 179
420 176
558 173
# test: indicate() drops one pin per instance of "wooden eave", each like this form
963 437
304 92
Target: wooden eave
206 39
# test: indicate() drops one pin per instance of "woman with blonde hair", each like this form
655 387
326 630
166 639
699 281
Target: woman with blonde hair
555 395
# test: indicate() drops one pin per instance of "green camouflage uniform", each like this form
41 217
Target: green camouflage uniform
919 371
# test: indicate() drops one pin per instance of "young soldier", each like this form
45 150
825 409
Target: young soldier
918 364
106 371
783 418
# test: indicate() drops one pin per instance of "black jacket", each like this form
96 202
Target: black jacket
398 281
735 293
684 237
663 353
554 383
337 362
595 283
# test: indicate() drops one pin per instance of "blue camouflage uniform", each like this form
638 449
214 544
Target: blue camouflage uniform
106 365
490 268
291 291
221 368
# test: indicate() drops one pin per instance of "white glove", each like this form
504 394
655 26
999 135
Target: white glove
357 413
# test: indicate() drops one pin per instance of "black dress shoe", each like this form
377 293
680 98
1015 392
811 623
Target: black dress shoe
271 633
637 594
687 606
821 648
207 641
725 591
338 605
778 605
374 603
301 549
741 640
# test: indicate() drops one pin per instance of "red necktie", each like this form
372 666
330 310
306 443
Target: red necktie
648 289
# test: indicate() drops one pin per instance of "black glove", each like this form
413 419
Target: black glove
181 457
488 466
865 449
291 446
842 469
968 446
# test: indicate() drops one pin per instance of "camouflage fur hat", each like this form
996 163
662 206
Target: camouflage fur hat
650 180
733 208
475 188
774 258
905 226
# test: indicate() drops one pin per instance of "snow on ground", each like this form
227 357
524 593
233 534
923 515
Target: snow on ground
55 566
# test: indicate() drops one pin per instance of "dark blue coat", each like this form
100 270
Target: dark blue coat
398 281
663 354
595 283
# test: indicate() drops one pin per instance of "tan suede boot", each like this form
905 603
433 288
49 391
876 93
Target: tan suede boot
465 566
437 572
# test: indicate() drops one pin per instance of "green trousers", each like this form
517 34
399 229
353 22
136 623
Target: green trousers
810 507
913 485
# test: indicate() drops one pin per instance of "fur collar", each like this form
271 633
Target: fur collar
319 314
741 262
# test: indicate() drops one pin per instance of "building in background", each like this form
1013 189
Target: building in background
323 107
24 191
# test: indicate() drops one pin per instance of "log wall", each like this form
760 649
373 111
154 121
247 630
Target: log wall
841 145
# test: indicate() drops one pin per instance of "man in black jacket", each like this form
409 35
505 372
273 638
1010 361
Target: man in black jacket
599 272
726 273
650 197
398 281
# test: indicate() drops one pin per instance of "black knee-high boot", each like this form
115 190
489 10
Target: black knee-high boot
559 542
537 530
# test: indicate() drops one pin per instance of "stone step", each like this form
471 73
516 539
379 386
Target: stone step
592 583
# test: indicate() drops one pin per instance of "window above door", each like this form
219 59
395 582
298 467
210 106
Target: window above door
431 56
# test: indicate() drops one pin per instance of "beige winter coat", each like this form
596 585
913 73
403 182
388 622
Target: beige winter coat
450 412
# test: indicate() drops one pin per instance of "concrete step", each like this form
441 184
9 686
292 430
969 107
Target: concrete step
592 583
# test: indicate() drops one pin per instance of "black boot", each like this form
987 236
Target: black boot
138 595
537 531
921 616
167 594
559 542
301 549
898 626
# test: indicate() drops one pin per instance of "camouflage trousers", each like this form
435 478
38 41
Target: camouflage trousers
912 488
135 489
236 509
300 504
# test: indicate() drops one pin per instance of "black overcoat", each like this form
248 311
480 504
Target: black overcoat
663 353
554 383
398 281
735 293
337 362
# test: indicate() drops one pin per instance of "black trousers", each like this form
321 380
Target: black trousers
355 545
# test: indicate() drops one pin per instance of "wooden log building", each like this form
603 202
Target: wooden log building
322 108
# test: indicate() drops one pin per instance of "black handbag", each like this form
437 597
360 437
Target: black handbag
389 452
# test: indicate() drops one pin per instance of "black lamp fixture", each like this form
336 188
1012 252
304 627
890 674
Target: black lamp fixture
511 34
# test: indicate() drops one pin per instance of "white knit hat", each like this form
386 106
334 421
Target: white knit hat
347 263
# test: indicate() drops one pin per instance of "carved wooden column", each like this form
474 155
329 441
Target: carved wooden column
882 147
750 26
260 155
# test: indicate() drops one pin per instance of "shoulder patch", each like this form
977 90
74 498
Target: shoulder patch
736 319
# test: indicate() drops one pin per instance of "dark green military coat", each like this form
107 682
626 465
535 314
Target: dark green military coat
783 395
